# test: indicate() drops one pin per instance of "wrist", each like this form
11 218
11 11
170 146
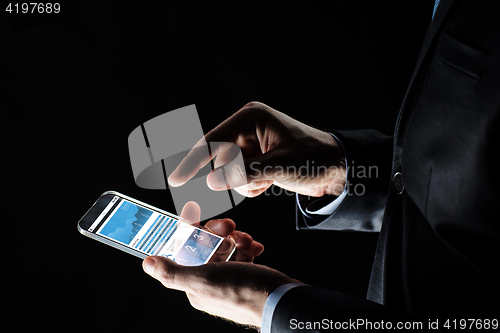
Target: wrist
334 179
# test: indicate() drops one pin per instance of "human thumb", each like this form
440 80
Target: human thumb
240 172
164 270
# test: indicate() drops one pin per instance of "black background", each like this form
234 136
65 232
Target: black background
75 84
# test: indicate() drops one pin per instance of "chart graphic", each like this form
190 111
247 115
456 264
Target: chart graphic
124 225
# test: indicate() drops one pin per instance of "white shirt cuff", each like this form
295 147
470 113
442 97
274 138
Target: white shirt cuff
332 206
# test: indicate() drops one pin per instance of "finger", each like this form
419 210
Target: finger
307 189
250 194
191 212
248 254
247 248
256 185
170 274
254 250
259 170
223 251
228 154
225 154
239 125
222 227
243 240
232 173
254 193
226 132
196 159
246 244
254 189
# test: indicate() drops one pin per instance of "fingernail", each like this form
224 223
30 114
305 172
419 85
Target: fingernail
149 266
217 180
172 182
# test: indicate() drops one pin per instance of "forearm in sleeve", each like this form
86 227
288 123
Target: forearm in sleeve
369 159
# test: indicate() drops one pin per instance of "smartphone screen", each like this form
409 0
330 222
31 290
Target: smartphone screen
152 233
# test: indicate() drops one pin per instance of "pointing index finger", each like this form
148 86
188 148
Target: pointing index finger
218 140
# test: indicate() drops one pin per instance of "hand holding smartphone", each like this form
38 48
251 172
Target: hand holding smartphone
143 230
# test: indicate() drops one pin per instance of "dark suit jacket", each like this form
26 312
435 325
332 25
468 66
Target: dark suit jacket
438 253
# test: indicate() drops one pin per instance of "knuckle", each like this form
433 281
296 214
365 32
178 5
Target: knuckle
252 104
255 107
240 172
254 193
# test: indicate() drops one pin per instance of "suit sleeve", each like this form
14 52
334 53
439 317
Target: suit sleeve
312 309
369 159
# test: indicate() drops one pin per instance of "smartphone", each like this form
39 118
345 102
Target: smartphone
143 230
